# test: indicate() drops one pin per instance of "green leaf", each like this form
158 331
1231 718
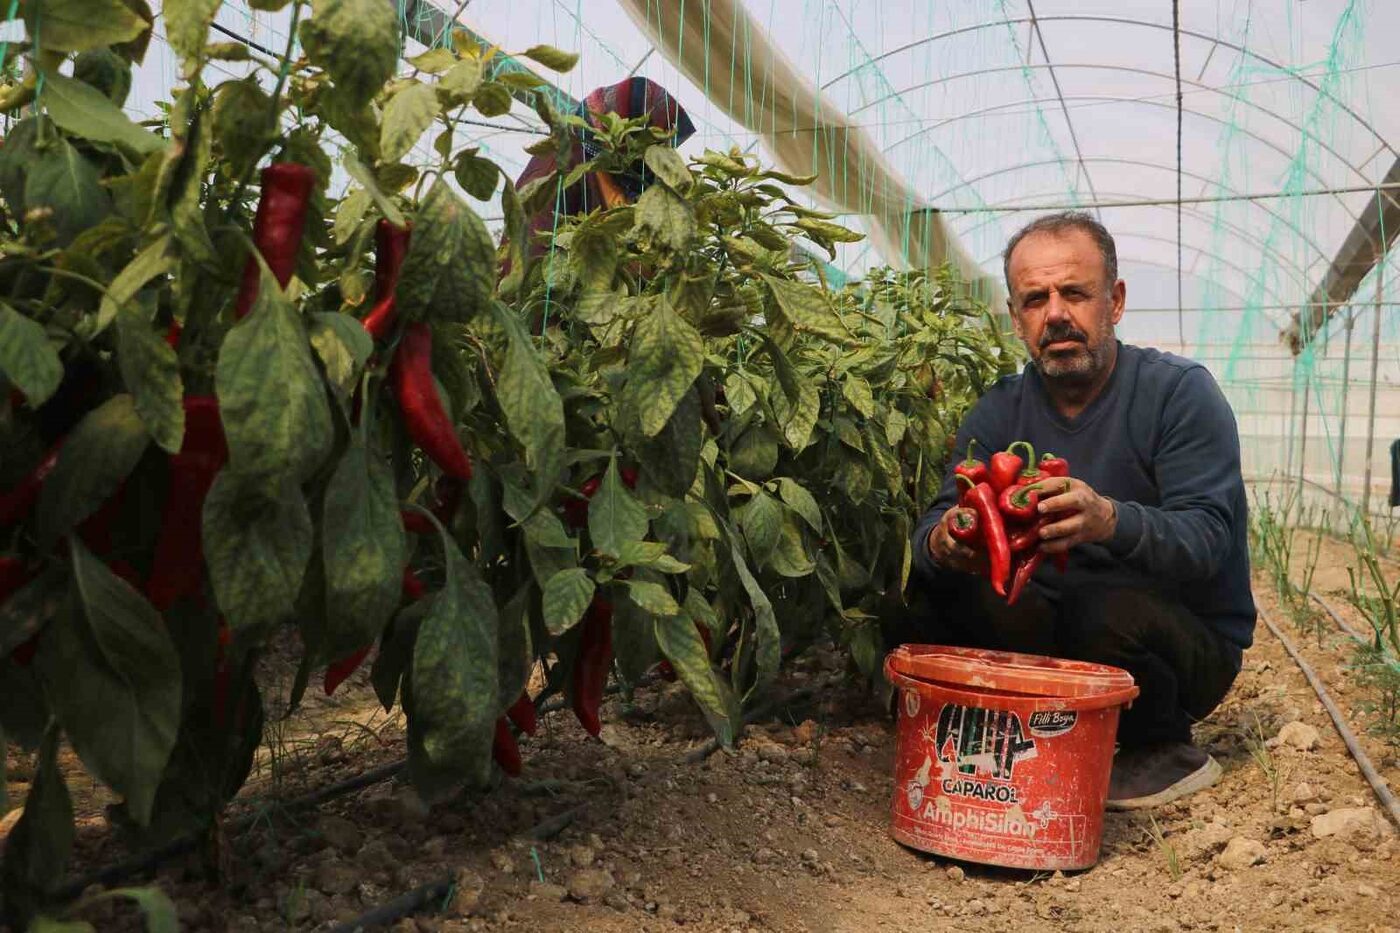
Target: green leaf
356 42
796 411
271 397
857 391
896 423
476 175
150 369
492 99
634 641
454 673
552 58
356 170
39 846
114 678
566 597
348 214
42 924
790 558
668 165
682 645
84 111
807 309
533 410
739 392
768 645
664 220
650 554
801 501
98 455
27 358
665 356
516 660
159 909
434 61
187 25
406 116
761 521
450 270
461 81
79 25
754 454
653 597
257 543
342 345
157 258
615 517
867 649
243 123
362 545
672 457
822 230
68 185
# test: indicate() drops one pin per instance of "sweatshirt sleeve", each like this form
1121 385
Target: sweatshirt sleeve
981 425
1197 467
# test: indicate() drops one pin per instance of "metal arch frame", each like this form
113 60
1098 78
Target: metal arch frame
1144 163
1172 267
1139 71
1128 21
1059 93
1322 183
1201 251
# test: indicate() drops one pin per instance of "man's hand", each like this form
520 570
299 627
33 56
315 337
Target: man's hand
1074 514
950 553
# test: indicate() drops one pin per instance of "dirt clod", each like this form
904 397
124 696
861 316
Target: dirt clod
1299 735
590 884
1241 852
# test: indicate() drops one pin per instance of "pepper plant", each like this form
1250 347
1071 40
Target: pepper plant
234 401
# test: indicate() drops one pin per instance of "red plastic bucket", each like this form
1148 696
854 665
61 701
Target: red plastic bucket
1003 758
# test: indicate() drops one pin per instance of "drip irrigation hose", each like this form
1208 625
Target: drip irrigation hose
1341 623
1383 793
146 861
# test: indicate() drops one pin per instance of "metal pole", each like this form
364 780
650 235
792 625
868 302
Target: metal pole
1303 431
1375 367
1346 383
1292 412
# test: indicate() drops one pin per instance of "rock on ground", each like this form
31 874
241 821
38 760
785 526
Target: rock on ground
1241 852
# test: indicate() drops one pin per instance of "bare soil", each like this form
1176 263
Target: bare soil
790 832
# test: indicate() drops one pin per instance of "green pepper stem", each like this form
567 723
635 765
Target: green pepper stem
1030 450
966 479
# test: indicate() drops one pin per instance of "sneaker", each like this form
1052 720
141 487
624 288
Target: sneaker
1156 774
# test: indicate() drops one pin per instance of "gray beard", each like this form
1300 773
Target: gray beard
1081 369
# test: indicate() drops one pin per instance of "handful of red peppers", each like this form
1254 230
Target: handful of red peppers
997 514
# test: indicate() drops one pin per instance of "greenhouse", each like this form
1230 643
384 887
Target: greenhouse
494 464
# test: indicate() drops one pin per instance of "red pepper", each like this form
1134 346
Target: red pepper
984 500
177 569
1005 467
96 530
338 671
1051 465
448 494
974 469
504 749
522 713
1024 570
390 248
172 334
413 587
16 503
416 522
1018 503
423 413
965 527
277 228
594 660
576 507
1024 539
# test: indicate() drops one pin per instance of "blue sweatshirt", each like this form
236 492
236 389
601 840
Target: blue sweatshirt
1161 441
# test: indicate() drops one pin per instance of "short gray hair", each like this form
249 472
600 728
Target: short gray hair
1058 225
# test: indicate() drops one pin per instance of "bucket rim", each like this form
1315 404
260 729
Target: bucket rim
1009 671
971 696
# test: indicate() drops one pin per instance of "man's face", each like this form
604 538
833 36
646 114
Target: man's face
1062 307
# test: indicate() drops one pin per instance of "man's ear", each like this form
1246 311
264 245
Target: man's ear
1015 318
1120 300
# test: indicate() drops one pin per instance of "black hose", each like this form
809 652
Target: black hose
1363 761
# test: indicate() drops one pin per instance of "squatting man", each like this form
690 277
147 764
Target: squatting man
1153 519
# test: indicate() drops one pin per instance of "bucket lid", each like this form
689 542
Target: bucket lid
1008 671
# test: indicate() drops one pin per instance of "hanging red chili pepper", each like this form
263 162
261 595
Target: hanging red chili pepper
277 228
423 413
1024 571
172 334
390 248
413 588
522 713
505 750
177 568
16 502
338 671
594 660
1005 467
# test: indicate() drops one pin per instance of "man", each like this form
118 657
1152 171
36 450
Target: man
1153 519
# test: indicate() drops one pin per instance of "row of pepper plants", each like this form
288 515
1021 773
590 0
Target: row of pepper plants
234 401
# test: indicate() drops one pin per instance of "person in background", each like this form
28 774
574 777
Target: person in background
1153 519
631 97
